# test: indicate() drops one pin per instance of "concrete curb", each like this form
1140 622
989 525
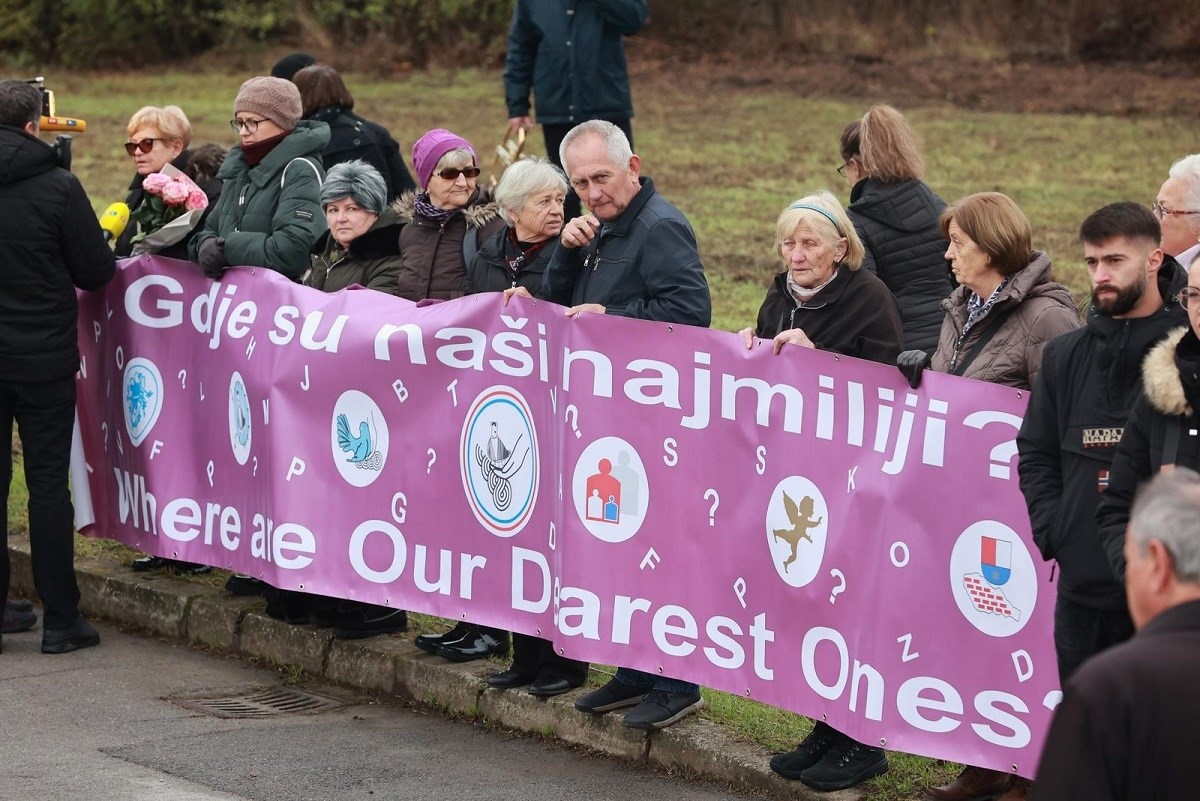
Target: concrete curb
209 617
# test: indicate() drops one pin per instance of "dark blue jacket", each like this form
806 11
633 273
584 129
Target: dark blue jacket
642 264
569 52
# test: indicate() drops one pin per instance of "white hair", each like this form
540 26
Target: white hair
615 141
523 179
1167 509
1187 172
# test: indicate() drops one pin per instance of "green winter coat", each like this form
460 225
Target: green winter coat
372 260
271 215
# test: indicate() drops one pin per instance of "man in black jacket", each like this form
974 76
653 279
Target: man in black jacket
50 243
1126 729
1077 413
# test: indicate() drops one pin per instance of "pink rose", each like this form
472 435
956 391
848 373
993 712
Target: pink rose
175 193
154 183
196 199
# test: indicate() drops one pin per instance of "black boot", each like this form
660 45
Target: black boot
429 643
815 746
476 643
846 764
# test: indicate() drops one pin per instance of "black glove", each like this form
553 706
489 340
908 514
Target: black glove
912 363
212 257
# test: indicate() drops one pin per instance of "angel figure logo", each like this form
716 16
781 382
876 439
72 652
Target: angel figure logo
797 530
498 453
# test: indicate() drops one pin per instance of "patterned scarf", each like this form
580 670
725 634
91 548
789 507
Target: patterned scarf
432 212
977 307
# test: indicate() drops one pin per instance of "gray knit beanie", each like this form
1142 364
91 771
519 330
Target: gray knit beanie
274 98
356 179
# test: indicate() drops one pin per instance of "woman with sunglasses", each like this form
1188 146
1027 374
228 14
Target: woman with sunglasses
158 137
269 214
447 222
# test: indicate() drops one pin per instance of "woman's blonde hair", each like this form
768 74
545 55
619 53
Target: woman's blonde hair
170 121
822 214
885 145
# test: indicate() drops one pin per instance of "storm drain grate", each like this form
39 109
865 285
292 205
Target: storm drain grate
273 702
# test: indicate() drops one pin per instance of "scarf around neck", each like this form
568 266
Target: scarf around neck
255 152
435 213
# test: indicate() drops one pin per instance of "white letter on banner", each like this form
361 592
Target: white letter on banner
873 708
295 554
399 551
722 630
173 308
588 613
519 602
985 705
761 636
808 661
661 629
181 520
623 609
296 468
910 702
1023 662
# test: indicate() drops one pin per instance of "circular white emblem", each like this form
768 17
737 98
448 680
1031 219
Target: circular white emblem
499 460
358 438
993 578
240 429
143 395
610 490
797 529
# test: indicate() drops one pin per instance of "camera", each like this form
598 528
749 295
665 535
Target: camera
51 122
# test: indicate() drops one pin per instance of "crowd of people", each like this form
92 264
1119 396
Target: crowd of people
323 196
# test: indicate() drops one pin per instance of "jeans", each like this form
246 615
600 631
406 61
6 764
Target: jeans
45 415
1081 632
652 681
554 134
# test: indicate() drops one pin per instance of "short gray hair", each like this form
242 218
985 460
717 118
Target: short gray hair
1187 171
355 179
615 141
523 179
1167 509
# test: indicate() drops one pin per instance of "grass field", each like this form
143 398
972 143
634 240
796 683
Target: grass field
731 154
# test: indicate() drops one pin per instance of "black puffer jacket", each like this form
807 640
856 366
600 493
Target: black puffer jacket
898 224
352 137
50 243
488 271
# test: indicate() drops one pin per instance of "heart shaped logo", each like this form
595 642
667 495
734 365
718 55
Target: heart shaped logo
143 398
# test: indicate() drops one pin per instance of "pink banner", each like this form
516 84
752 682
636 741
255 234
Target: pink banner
800 529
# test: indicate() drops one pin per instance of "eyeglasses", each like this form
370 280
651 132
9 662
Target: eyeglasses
249 126
146 145
842 169
451 174
1160 211
1187 295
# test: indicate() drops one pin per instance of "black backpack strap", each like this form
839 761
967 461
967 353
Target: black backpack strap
470 245
993 327
1171 440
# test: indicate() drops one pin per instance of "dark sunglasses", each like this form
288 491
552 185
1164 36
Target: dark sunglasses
451 174
146 145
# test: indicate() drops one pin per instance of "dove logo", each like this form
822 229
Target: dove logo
499 460
143 394
358 438
610 490
797 530
993 578
239 419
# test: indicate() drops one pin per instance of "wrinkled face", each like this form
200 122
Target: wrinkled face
162 153
1176 218
541 217
347 220
264 129
971 266
605 188
1119 270
809 257
450 187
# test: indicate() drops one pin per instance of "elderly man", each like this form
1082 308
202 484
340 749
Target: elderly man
1126 728
1178 209
50 244
633 255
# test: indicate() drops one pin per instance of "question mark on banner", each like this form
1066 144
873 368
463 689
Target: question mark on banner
739 589
572 416
841 586
432 458
255 473
712 510
1002 454
183 379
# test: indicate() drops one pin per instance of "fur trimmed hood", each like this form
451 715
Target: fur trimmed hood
1160 376
479 211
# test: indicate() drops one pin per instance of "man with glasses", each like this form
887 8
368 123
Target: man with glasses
1177 208
1077 412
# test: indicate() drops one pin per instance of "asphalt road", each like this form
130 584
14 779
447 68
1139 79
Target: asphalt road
100 724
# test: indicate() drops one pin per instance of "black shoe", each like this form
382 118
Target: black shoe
16 620
507 679
18 605
145 563
475 644
79 634
846 764
364 620
246 586
429 643
660 709
550 686
807 754
614 695
289 606
188 568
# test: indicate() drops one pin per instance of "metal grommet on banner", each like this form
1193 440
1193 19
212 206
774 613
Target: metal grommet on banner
301 586
1014 767
747 692
882 742
824 716
537 632
670 329
561 652
660 670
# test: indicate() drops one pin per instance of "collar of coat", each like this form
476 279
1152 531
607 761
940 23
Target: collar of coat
307 139
1160 375
381 240
480 210
620 226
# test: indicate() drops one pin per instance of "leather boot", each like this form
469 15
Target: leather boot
973 784
1018 789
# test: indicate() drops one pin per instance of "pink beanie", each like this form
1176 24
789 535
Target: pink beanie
429 149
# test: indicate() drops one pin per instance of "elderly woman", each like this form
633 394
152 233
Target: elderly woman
269 214
824 300
158 137
362 245
325 98
896 216
447 222
1006 308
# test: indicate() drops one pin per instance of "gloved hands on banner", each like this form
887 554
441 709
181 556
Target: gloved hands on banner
212 257
912 363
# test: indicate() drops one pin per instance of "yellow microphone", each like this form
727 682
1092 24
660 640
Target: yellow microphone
113 220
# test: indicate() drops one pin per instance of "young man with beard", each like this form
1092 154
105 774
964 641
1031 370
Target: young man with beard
1077 412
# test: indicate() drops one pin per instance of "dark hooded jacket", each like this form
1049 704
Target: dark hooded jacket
201 165
489 272
854 314
1089 381
50 244
898 226
372 260
433 263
